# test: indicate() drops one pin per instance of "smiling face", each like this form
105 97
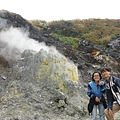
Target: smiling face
96 77
106 74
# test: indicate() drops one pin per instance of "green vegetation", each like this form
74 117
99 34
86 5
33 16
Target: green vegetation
98 31
70 40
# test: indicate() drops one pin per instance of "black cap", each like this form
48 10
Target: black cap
105 69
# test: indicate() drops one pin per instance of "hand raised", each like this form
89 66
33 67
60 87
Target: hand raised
100 83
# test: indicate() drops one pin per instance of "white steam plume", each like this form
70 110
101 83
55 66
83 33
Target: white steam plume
15 41
18 38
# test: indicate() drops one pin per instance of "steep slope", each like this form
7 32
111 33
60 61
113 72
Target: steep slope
39 75
37 81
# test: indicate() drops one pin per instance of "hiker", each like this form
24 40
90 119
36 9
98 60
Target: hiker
96 89
112 93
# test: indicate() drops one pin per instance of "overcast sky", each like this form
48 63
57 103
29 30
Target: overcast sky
50 10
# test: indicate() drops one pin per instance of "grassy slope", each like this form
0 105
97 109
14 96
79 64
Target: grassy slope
98 31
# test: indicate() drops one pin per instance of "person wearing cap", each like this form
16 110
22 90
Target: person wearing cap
96 89
112 93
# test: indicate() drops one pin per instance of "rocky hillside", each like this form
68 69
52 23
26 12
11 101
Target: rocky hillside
43 78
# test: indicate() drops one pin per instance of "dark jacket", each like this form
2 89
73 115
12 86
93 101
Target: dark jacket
92 102
110 97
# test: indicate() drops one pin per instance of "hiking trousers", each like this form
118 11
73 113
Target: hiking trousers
115 109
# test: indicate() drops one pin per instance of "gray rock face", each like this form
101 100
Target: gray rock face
42 85
3 23
40 82
37 84
114 48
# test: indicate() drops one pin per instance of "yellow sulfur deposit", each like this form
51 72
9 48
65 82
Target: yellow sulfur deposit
56 67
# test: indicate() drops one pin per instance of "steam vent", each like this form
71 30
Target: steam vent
43 78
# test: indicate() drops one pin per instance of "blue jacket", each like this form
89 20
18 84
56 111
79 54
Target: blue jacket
110 97
95 90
